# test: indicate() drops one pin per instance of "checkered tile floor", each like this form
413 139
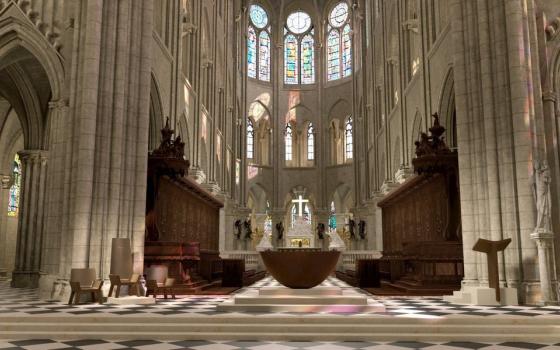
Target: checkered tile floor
47 344
26 301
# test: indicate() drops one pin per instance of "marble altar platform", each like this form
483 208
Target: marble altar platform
318 299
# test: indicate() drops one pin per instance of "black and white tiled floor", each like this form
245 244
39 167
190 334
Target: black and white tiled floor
14 302
26 301
46 344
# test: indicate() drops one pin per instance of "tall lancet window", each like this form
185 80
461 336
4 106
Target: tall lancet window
15 189
258 44
299 49
348 139
250 139
288 139
339 43
310 142
332 217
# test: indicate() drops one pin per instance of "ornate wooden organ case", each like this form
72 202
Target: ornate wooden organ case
182 219
421 219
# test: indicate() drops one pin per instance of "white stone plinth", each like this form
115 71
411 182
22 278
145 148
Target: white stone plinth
285 291
483 296
131 300
318 299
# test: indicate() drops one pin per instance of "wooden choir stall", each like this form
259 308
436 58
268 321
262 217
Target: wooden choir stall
182 222
422 246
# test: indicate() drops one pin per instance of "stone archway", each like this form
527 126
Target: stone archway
31 76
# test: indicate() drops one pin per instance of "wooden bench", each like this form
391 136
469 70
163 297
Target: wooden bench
364 275
234 274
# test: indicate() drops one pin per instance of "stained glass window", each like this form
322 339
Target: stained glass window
14 193
288 140
298 22
258 34
332 217
258 16
307 214
349 139
333 55
310 142
346 51
339 43
264 56
299 49
290 60
250 139
308 60
251 53
339 14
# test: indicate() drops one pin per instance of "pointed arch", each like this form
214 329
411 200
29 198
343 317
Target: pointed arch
446 108
156 114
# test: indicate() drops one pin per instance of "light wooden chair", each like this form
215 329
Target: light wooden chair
78 289
154 288
132 283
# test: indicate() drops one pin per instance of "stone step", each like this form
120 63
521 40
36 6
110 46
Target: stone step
141 328
301 300
395 335
497 321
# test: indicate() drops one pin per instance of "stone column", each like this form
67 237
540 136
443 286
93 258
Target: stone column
5 184
30 224
545 246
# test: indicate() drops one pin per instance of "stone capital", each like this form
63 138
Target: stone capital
543 237
387 187
58 104
6 181
549 96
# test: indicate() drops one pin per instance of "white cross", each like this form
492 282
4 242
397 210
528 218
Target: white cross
300 201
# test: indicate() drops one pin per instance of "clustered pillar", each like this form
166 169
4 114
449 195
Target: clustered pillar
30 228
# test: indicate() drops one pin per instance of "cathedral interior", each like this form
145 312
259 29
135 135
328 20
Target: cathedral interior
226 153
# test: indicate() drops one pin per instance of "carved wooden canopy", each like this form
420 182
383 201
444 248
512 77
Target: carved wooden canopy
169 158
432 153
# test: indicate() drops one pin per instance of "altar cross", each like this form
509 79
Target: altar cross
300 202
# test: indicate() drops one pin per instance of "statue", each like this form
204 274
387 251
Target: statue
351 227
321 230
264 244
541 192
248 229
237 226
280 230
362 229
336 242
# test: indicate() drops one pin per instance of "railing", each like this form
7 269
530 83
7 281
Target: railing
349 258
252 258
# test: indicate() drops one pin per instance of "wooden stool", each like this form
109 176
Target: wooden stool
94 289
116 281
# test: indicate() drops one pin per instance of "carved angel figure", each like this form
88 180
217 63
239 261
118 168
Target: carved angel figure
362 229
237 226
351 228
248 229
280 230
321 230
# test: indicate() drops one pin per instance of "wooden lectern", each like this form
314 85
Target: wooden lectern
491 248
